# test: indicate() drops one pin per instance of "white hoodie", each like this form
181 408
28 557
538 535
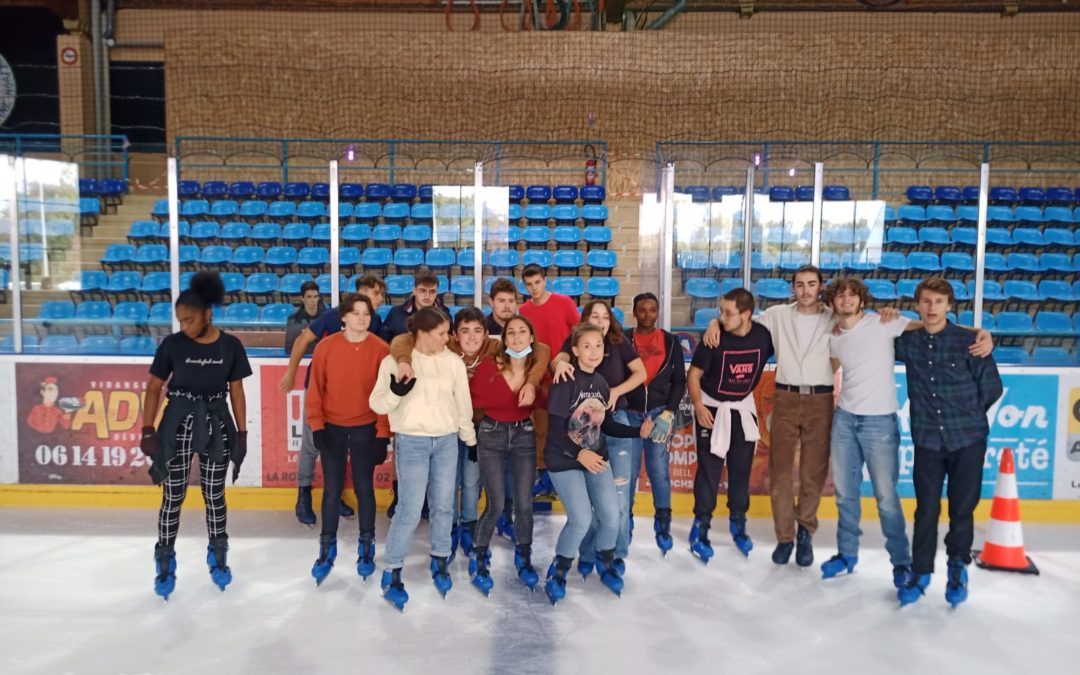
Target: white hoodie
438 404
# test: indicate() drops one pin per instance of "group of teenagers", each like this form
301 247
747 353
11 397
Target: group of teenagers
488 401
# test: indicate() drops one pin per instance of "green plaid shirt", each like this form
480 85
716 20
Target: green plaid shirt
949 389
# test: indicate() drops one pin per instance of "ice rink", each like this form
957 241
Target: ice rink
76 594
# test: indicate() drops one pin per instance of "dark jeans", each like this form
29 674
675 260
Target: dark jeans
964 467
740 459
342 443
500 443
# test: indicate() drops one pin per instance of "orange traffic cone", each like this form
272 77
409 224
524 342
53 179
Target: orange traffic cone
1004 549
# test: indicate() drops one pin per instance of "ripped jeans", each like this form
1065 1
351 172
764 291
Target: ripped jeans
621 460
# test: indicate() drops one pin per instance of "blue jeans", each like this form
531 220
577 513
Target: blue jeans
592 512
426 465
656 465
873 440
467 489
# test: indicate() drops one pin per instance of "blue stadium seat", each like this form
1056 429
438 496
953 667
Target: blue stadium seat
376 259
324 281
791 260
571 286
378 192
463 288
948 194
320 192
161 209
406 260
386 234
350 192
367 212
597 236
248 257
138 345
920 194
282 211
602 261
1057 265
957 264
280 257
422 213
564 214
777 193
313 258
882 290
592 194
536 236
538 194
1003 195
964 237
52 311
1029 216
425 192
992 291
538 214
898 237
99 344
193 208
594 214
1000 216
1044 355
1033 196
1059 214
1026 264
296 234
187 189
503 260
242 314
261 285
941 214
1011 355
267 234
348 258
131 313
893 263
215 256
123 283
295 191
537 257
233 281
967 318
967 215
311 211
118 256
320 234
91 283
934 238
188 254
204 232
970 194
911 213
890 216
569 260
1014 322
398 286
703 316
606 288
356 233
699 194
142 231
59 344
998 238
1028 238
566 236
242 189
692 262
772 289
225 208
565 194
416 235
835 193
923 261
290 283
1053 322
1059 196
905 288
517 193
440 258
1019 293
151 255
395 213
268 190
403 192
276 314
804 193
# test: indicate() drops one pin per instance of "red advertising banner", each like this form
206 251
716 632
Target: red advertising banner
81 423
282 417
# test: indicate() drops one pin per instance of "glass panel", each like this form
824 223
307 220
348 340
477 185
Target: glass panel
7 201
501 237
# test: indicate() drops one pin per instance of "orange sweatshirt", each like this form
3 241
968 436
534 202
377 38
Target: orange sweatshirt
343 374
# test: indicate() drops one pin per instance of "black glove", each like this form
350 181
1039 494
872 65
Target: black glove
401 388
318 439
149 443
238 453
381 446
158 471
472 452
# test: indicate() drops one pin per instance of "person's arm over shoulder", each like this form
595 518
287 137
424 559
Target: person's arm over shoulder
901 346
987 379
401 348
463 402
768 347
543 357
382 400
771 316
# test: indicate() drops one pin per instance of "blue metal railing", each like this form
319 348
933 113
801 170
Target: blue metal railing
882 160
97 156
391 159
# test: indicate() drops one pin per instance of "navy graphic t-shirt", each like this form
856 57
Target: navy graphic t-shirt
197 368
732 370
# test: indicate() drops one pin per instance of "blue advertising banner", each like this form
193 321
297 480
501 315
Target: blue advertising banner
1024 419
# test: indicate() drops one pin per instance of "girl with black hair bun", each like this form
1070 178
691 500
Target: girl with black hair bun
203 366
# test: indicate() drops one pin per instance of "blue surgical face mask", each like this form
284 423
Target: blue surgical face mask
519 355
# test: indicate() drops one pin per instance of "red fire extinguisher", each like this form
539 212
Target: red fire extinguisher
590 165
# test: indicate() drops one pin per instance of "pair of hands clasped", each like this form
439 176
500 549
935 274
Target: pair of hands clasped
159 471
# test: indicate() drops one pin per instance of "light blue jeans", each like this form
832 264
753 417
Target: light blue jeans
873 440
592 512
426 465
656 465
467 489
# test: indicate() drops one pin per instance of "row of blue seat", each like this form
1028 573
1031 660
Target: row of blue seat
123 256
300 233
374 192
370 213
953 195
995 215
938 238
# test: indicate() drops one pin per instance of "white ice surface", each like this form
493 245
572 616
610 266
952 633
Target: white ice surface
76 596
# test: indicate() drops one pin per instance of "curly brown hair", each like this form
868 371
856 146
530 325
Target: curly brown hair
852 285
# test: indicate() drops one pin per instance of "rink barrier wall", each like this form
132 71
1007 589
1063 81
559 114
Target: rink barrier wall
81 449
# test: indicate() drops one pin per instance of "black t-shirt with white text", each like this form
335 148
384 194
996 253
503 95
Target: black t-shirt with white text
732 370
197 368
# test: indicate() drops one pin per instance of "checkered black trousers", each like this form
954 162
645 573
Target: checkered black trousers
212 478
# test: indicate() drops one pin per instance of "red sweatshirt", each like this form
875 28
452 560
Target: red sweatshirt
492 394
342 376
552 320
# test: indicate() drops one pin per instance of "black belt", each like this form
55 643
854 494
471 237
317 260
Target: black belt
501 423
806 389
